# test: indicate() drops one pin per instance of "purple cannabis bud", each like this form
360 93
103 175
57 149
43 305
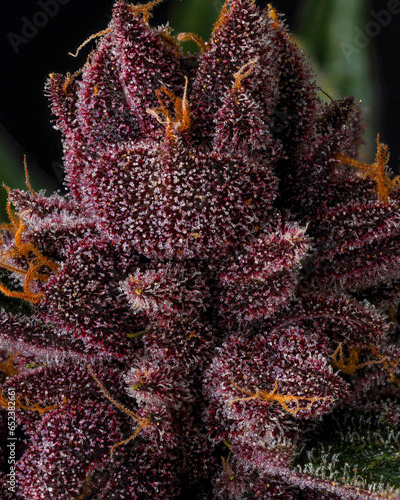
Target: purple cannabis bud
262 277
221 278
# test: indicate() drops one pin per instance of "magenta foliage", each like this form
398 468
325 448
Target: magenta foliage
218 279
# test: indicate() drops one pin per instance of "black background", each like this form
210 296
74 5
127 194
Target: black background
24 110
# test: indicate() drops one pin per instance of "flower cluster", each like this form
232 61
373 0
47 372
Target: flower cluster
222 276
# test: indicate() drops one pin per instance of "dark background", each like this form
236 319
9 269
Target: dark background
24 111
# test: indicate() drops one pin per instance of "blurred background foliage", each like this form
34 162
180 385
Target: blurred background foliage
12 172
325 30
320 27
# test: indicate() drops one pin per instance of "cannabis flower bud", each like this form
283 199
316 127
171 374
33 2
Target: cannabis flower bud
221 278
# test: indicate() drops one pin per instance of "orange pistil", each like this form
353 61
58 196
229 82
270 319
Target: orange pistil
273 15
145 9
34 259
9 213
191 37
68 81
28 184
168 39
3 401
37 407
222 18
181 122
377 171
139 283
70 78
8 368
92 37
30 406
282 399
142 421
351 364
243 73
